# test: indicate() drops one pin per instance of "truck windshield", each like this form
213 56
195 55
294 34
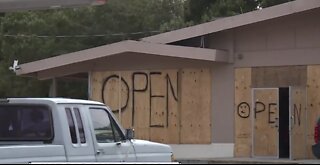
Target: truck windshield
25 123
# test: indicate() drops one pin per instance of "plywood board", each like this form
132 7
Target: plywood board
165 117
313 105
243 122
298 122
126 100
266 114
275 77
158 107
196 106
140 104
151 103
106 89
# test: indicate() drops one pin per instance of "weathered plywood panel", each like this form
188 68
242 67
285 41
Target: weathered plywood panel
165 118
158 110
151 103
196 106
313 105
275 77
266 113
126 100
298 122
105 88
243 122
141 104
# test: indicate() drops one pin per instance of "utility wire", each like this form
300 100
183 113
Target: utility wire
74 36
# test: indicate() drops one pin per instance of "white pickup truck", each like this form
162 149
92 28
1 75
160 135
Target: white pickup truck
69 130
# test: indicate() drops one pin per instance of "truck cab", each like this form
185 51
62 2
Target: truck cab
69 130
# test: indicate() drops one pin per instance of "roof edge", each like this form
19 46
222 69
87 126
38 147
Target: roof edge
173 51
234 21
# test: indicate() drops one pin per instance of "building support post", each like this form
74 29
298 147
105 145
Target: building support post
53 88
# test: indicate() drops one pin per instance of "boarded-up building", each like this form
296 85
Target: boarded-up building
243 86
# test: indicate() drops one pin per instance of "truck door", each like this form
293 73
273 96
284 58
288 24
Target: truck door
110 141
80 146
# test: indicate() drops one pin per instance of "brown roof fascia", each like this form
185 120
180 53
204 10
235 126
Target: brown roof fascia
97 53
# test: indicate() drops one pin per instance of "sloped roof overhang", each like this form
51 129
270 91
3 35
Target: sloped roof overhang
265 14
125 55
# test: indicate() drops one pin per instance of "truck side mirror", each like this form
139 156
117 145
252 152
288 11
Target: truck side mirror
129 134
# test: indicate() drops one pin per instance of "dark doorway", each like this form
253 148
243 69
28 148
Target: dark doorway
284 112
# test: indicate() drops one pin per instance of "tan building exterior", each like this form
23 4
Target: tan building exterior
242 86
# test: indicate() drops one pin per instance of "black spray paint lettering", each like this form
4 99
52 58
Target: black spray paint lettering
271 118
243 110
135 90
105 83
256 110
175 96
153 97
147 84
272 113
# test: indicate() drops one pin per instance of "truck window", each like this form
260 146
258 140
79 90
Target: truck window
104 127
80 125
73 125
25 123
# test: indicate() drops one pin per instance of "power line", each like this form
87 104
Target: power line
75 36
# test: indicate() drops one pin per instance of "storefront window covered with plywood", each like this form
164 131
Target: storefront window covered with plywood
168 106
281 102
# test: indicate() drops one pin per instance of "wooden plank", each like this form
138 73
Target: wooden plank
141 104
158 110
313 105
196 106
243 122
265 119
298 122
96 86
173 97
164 107
274 77
126 99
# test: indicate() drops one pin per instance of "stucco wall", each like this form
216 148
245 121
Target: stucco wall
282 41
286 41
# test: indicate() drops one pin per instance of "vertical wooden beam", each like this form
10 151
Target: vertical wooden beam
243 112
53 88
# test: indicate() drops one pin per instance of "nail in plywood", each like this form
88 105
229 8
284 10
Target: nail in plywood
266 115
298 122
196 106
243 99
313 105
